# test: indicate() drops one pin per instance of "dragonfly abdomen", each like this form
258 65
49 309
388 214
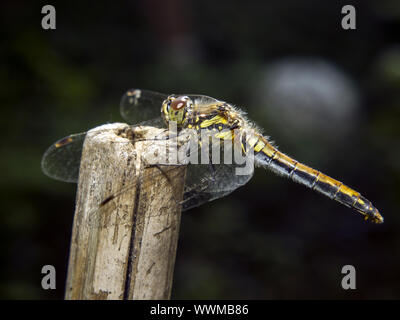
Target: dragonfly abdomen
268 156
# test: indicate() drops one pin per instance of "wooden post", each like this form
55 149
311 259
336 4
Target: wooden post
127 218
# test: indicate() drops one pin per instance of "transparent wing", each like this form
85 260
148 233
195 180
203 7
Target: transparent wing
62 159
202 99
218 178
202 186
204 104
142 106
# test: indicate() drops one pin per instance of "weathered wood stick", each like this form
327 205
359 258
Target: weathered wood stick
127 217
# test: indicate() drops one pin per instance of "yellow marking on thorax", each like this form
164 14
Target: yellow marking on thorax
215 120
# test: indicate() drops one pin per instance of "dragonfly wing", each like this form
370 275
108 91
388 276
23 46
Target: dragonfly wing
204 184
62 159
156 122
207 182
142 106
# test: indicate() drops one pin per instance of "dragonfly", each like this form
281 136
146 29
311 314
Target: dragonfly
205 182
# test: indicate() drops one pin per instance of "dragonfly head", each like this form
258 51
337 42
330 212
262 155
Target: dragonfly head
175 109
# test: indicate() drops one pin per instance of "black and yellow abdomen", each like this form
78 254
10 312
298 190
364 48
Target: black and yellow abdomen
270 157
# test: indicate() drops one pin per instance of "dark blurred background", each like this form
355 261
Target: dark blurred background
329 97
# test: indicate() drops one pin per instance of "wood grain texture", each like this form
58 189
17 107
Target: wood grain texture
124 246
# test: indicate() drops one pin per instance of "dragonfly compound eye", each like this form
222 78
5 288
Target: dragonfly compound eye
179 103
